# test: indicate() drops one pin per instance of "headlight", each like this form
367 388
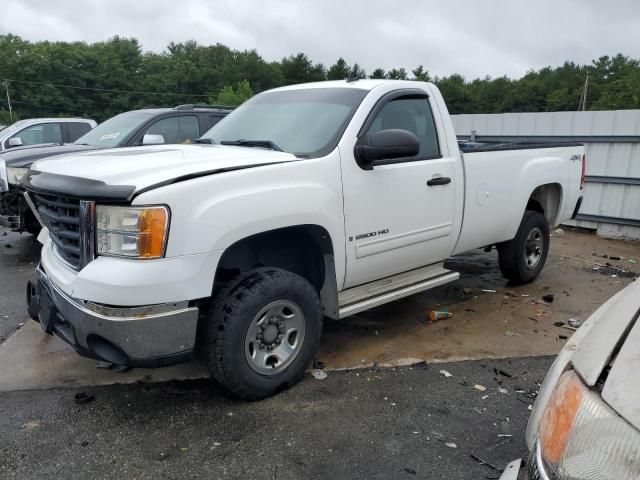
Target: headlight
581 437
15 174
133 232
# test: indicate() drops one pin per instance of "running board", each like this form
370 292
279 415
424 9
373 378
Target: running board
379 292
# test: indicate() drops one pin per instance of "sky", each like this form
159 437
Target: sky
475 38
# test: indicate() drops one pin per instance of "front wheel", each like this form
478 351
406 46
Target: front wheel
263 332
522 259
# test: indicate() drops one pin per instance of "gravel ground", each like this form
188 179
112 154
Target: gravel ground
392 423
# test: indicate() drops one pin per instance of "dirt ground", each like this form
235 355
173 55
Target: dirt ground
512 322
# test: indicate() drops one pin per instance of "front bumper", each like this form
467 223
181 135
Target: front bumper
147 336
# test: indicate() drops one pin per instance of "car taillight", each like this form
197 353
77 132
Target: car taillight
584 171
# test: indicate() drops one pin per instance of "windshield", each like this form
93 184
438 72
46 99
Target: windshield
113 131
305 122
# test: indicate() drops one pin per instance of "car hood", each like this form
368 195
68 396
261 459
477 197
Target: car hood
119 174
614 341
25 156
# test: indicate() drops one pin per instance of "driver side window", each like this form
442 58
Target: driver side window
412 114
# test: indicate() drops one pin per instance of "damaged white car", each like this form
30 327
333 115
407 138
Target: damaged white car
586 420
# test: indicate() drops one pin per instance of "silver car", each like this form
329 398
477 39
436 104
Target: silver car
585 423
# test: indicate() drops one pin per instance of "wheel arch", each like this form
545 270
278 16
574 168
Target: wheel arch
547 200
306 250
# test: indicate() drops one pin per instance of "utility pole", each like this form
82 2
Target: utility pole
6 86
582 104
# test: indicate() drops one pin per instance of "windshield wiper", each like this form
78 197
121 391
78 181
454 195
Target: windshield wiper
206 141
252 143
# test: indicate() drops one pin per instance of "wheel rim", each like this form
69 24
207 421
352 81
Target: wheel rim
274 337
533 248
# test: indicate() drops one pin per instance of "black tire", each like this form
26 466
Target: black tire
236 310
515 264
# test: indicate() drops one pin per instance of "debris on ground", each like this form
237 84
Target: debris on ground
446 374
509 333
103 365
502 390
482 388
420 365
451 445
488 291
318 364
484 462
562 337
607 269
615 257
549 297
574 322
319 374
558 233
436 315
499 371
410 471
31 424
467 290
558 324
84 397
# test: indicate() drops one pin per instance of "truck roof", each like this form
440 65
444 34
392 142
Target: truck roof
364 84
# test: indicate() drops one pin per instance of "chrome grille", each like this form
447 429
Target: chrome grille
61 216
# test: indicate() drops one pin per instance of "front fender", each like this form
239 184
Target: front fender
209 214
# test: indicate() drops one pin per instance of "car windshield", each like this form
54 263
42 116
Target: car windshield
112 132
305 122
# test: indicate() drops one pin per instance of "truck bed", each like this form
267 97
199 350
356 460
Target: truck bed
500 178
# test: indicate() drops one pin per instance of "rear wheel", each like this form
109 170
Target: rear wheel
522 259
263 332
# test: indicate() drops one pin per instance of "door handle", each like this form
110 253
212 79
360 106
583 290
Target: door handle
438 181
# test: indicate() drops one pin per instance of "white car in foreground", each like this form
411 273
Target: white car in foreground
585 423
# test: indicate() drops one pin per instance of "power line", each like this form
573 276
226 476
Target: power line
111 90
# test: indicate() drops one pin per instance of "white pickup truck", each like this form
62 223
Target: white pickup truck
308 201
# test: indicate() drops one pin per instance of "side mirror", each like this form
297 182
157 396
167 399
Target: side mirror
152 139
14 142
373 149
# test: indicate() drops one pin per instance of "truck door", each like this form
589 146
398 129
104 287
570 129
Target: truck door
402 215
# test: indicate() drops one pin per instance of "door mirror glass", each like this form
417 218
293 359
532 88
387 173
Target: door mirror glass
14 142
383 145
152 139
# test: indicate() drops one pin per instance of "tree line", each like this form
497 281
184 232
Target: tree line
99 80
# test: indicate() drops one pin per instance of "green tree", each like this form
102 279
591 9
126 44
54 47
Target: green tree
233 96
378 73
397 74
420 74
339 70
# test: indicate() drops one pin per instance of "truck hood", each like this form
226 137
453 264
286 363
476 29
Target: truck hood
614 341
25 156
119 174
